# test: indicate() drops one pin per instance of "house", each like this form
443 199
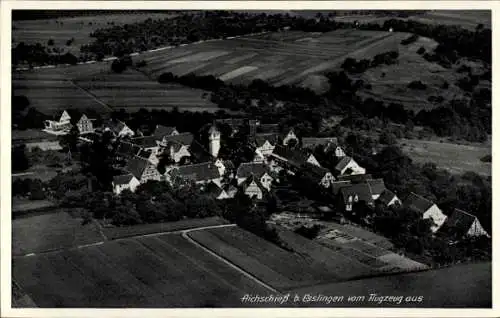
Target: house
118 128
148 155
59 126
388 198
286 158
231 191
350 195
318 175
126 181
428 210
199 173
377 187
268 128
142 169
177 146
355 178
215 191
461 224
288 137
85 125
127 150
313 142
253 188
162 131
258 170
264 143
335 186
347 166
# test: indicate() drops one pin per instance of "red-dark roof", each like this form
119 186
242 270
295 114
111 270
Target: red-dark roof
136 166
260 139
377 186
337 185
418 203
386 197
182 139
312 142
343 163
458 223
362 190
162 131
145 142
127 149
122 179
295 157
197 172
247 169
268 128
199 153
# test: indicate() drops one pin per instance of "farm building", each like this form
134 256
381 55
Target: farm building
118 128
258 170
427 208
290 159
142 169
162 131
317 175
126 181
253 188
461 224
350 195
215 191
388 198
347 166
59 126
200 173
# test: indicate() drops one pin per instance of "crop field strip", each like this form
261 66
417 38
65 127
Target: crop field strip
165 271
281 269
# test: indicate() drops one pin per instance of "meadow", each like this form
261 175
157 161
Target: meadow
287 57
94 86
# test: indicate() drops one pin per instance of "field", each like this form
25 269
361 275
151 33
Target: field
53 231
453 157
308 264
279 58
79 28
94 86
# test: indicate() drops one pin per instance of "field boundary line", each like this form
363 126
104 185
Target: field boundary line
185 235
90 95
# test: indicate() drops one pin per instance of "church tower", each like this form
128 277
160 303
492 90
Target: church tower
214 141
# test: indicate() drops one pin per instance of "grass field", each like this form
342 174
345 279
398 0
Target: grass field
453 157
46 232
79 28
94 86
309 264
166 271
280 58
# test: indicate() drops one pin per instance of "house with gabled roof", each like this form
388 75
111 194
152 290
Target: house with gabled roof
461 224
354 193
199 173
148 155
290 159
177 146
85 125
125 181
61 125
260 171
162 131
118 128
347 166
253 188
146 143
335 186
264 143
215 191
377 187
388 198
127 150
288 136
313 142
143 169
317 175
355 178
426 208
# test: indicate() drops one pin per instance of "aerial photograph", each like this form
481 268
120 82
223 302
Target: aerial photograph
251 159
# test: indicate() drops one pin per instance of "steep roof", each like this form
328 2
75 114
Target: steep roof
337 185
247 169
362 190
296 157
312 142
213 189
313 172
115 126
458 223
343 163
355 178
162 131
248 181
197 172
199 153
127 149
136 166
144 153
182 139
418 203
122 179
260 139
386 196
145 142
377 186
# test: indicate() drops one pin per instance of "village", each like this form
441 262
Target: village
168 155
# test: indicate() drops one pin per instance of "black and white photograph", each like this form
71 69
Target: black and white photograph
223 158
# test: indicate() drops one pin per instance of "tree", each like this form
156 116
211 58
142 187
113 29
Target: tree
50 42
69 142
388 138
19 161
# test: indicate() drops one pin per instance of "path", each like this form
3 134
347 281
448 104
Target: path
90 95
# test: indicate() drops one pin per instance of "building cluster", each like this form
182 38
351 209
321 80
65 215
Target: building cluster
275 152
